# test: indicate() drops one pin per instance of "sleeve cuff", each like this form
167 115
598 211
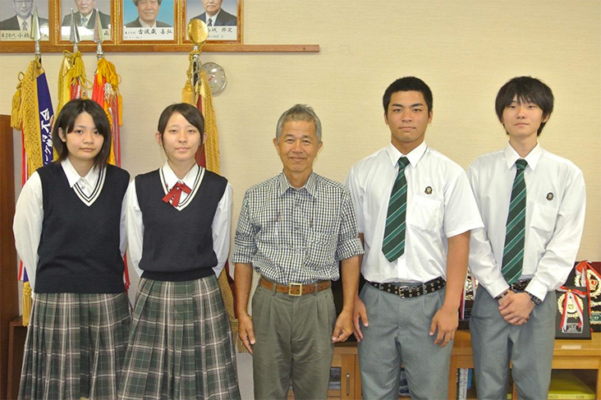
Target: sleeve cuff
497 288
537 288
349 249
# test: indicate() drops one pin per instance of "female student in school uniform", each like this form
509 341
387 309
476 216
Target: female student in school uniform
70 233
178 225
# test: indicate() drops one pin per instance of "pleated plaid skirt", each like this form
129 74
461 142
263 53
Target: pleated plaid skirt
75 346
180 343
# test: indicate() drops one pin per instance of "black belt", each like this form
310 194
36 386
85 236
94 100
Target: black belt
411 291
519 286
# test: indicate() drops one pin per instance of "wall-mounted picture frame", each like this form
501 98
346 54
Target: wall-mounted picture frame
128 25
84 14
224 18
16 17
148 20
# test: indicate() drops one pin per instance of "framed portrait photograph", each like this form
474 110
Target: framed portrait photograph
151 20
223 18
84 13
16 18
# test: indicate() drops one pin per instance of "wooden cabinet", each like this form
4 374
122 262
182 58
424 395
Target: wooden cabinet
568 354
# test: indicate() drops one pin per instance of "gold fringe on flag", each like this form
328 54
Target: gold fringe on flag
212 141
24 115
27 303
72 81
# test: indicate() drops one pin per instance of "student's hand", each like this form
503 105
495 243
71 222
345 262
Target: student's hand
360 313
446 321
246 331
516 308
344 327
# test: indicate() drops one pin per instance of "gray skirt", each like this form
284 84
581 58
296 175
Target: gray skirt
75 346
180 344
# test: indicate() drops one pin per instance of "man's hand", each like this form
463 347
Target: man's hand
344 327
246 331
446 321
516 307
360 313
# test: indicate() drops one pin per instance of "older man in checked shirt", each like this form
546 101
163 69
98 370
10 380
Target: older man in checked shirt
294 229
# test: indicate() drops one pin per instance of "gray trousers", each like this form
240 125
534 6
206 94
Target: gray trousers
398 333
294 344
529 347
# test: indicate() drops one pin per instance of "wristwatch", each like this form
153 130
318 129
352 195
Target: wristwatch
535 299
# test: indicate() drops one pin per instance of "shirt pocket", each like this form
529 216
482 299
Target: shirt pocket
321 249
543 220
425 214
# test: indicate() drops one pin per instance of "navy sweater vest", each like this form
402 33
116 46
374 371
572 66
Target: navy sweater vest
79 246
178 244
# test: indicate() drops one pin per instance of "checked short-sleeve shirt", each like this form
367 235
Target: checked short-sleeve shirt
297 235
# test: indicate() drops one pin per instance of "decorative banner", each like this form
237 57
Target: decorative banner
197 92
572 318
32 113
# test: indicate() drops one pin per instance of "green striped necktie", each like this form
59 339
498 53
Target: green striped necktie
394 234
513 253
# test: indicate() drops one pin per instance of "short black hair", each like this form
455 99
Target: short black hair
188 111
526 90
408 84
66 121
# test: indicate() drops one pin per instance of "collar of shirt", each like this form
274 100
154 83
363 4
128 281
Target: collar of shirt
171 179
414 157
88 181
511 156
310 186
28 20
213 17
145 25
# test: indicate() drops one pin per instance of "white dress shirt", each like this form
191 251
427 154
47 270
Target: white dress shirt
555 208
29 213
440 205
221 226
212 18
28 21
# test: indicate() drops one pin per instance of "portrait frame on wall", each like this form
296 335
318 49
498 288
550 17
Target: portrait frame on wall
15 13
149 21
225 25
85 18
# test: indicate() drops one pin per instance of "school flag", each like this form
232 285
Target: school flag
32 114
72 81
198 93
106 93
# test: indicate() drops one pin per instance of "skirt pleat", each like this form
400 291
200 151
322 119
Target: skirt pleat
75 346
181 344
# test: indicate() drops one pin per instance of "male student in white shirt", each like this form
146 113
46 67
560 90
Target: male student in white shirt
532 203
415 211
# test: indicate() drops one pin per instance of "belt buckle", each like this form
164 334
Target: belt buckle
402 290
295 285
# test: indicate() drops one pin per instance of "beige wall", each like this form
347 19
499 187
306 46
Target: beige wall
465 50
